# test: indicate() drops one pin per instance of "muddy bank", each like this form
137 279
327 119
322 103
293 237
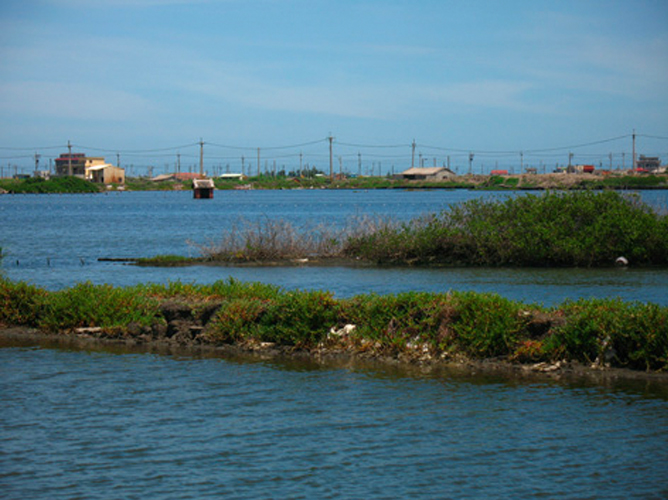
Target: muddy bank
188 341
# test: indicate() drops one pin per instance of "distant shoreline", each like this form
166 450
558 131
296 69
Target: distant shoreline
506 182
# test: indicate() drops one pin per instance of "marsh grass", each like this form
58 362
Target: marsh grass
474 325
268 240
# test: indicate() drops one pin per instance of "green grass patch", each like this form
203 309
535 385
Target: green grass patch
445 325
165 261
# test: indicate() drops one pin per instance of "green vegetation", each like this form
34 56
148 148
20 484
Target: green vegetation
167 260
145 184
500 182
411 326
634 182
579 228
573 228
53 185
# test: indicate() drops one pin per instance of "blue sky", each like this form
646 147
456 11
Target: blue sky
482 76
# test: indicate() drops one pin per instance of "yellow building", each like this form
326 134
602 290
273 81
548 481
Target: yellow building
105 173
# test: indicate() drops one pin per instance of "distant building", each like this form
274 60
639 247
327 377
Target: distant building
203 189
426 173
79 161
232 176
499 172
106 174
650 164
580 169
92 168
179 176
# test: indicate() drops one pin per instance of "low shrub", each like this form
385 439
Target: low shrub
581 228
633 335
20 303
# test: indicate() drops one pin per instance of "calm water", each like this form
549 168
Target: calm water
77 424
55 241
106 425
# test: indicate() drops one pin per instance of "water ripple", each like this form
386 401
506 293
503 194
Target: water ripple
99 425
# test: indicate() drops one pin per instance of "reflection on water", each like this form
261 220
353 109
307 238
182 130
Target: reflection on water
90 424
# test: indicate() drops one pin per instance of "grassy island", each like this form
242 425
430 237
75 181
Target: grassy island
573 228
413 327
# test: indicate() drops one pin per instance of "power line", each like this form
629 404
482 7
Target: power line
652 136
136 151
373 145
290 146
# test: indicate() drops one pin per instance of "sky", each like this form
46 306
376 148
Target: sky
517 83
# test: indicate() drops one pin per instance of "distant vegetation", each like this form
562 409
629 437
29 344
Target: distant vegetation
574 228
410 326
317 180
53 185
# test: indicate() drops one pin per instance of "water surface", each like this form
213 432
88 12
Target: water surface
55 240
77 424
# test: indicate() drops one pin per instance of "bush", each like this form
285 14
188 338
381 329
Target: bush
632 335
299 318
20 303
581 228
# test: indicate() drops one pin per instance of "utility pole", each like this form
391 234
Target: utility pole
118 160
413 154
359 164
623 161
178 163
570 159
201 157
471 156
634 150
258 162
69 158
242 165
610 161
331 159
301 158
340 166
521 161
36 164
